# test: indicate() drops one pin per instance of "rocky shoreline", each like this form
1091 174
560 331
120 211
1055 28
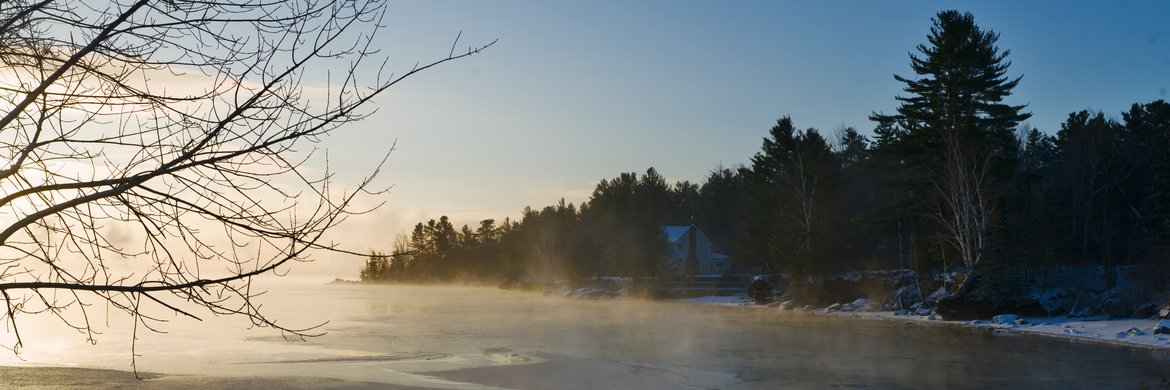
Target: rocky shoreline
1126 332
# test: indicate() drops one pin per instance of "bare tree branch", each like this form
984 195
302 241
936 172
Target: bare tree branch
155 156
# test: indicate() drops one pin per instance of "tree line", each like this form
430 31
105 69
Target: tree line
615 232
950 181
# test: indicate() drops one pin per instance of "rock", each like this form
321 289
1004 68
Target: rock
808 308
788 305
760 289
1006 319
901 312
932 317
1135 332
983 295
860 302
922 311
833 307
1147 310
938 295
1162 326
907 296
847 307
1165 312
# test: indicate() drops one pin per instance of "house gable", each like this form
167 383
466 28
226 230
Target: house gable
679 251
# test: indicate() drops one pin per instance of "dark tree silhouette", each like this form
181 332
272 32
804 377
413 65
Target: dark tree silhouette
954 134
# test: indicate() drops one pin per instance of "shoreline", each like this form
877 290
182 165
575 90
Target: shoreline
1094 330
1106 331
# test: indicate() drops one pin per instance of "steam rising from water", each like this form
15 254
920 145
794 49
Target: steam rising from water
461 337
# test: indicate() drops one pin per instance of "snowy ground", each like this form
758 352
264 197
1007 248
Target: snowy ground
1128 331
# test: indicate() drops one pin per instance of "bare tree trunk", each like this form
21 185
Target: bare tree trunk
964 199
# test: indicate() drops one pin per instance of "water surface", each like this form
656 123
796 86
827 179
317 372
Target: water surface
458 337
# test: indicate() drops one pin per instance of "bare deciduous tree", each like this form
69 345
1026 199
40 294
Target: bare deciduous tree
153 153
966 195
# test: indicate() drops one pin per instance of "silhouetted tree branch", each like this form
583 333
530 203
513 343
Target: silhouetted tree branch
153 153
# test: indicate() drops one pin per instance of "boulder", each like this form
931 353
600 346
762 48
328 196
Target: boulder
832 308
859 302
1006 319
922 311
907 296
1162 326
983 296
1135 332
847 307
901 312
788 305
938 295
1165 312
760 289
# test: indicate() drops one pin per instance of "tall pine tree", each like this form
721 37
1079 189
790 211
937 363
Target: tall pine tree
953 135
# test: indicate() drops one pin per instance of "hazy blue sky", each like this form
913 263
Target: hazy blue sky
577 92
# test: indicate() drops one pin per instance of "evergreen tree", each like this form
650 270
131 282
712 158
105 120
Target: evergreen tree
1152 122
953 135
720 201
376 269
794 195
852 147
624 216
1089 172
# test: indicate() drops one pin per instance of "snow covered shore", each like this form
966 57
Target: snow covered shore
1126 332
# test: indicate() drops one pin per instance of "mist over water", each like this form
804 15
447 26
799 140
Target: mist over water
461 337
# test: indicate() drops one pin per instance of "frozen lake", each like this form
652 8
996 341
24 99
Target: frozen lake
455 337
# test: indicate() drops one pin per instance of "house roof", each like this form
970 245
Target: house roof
675 233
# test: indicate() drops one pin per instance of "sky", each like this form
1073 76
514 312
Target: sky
576 92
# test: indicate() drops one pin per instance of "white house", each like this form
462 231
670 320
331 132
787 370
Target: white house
689 252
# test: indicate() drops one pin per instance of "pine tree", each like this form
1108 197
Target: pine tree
720 199
793 187
953 135
1154 119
